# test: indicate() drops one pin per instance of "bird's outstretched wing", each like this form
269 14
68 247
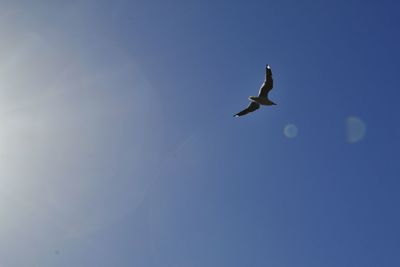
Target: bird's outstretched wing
252 106
268 83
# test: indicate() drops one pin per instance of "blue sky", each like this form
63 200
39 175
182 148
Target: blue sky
118 145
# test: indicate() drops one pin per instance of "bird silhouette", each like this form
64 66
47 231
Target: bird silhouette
262 98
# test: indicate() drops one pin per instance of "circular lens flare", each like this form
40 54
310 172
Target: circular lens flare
290 131
355 129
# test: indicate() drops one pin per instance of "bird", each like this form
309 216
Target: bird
262 98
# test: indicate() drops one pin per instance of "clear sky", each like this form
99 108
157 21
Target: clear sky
118 145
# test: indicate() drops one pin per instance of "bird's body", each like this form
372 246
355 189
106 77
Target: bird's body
262 98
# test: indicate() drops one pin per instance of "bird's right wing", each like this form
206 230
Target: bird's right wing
252 106
268 83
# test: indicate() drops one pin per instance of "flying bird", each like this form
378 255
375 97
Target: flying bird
262 98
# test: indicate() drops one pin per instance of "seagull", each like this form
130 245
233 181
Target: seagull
262 98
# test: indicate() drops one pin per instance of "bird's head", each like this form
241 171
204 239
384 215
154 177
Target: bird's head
267 66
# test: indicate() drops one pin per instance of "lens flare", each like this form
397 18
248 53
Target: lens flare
290 131
355 129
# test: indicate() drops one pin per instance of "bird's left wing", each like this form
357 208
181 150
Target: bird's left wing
252 107
268 83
